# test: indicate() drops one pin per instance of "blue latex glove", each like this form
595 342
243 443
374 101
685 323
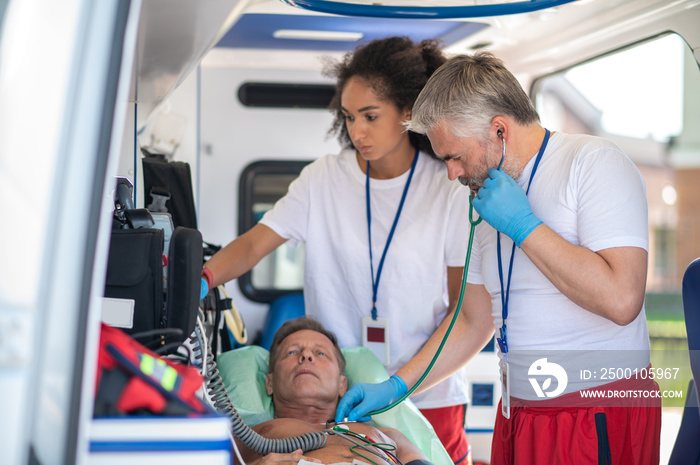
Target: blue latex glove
204 289
363 398
503 204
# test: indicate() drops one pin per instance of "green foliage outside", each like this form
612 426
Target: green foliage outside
669 342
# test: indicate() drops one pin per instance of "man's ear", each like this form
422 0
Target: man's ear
268 383
343 388
500 126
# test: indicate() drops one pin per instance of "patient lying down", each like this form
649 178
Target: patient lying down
305 381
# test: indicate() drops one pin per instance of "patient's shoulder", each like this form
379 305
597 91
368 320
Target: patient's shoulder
376 434
406 450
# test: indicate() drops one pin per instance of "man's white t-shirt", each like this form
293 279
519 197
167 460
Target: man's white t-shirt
326 209
591 194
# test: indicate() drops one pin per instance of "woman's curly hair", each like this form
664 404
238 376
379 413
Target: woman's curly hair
396 68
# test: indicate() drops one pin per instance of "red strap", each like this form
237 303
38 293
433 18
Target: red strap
207 274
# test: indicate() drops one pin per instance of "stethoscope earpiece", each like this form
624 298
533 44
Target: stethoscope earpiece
503 156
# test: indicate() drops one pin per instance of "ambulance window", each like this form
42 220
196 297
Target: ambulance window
646 99
285 95
281 272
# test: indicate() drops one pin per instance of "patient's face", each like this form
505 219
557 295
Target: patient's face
306 370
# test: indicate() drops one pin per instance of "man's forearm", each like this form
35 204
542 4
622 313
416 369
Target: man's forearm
471 331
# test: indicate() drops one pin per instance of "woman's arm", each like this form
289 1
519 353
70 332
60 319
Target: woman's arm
242 254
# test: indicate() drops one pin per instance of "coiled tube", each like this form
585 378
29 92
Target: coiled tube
216 390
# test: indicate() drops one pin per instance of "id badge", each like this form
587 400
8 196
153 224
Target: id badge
505 387
375 336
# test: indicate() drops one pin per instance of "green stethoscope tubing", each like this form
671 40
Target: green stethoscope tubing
408 393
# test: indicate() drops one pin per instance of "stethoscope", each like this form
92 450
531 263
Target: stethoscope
473 223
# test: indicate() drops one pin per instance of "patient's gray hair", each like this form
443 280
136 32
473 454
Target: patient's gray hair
299 324
468 91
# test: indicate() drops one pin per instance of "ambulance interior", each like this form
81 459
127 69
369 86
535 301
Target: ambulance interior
234 90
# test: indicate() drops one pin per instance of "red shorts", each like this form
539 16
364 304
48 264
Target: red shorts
563 435
448 423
